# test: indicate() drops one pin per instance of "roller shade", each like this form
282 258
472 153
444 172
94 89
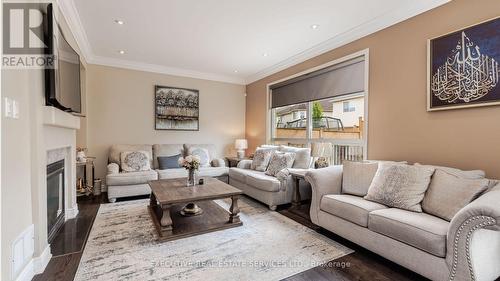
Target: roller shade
340 79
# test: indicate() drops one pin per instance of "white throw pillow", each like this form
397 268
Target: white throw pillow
279 161
302 156
134 161
357 176
202 153
400 186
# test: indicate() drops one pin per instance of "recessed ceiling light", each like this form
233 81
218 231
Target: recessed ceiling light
121 52
264 54
315 26
120 22
236 71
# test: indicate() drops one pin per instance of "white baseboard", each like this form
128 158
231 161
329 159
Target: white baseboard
35 266
71 213
40 262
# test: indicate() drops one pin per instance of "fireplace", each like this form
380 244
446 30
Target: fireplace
55 198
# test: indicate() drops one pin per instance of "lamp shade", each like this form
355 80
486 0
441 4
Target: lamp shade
321 149
241 144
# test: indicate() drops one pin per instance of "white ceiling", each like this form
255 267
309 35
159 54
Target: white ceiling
211 39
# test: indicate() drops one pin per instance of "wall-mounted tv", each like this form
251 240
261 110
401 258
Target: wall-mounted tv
62 83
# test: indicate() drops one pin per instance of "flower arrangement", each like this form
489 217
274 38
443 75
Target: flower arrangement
190 162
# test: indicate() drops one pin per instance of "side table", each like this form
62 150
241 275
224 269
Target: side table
233 161
297 176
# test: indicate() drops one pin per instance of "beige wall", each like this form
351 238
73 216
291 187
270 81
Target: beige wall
399 127
120 109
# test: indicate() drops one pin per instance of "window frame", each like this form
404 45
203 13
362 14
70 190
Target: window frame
271 120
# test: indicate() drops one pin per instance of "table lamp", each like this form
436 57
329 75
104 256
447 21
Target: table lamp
240 145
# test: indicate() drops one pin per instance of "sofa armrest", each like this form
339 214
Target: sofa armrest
218 162
323 181
113 168
245 164
482 213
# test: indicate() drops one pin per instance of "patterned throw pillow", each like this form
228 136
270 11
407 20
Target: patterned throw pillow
261 159
134 161
280 161
400 186
202 153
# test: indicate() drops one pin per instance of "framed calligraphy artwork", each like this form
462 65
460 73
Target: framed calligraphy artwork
463 67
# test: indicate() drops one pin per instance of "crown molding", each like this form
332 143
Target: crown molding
367 28
134 65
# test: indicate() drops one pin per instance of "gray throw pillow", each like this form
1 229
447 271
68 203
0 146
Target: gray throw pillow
279 161
357 177
400 186
169 162
448 193
261 159
134 161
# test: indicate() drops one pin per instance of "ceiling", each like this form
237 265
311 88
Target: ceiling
237 41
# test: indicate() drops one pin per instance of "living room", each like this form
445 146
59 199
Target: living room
180 140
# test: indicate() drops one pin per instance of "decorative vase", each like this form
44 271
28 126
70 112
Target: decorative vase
191 179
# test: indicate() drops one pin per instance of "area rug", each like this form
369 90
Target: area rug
123 245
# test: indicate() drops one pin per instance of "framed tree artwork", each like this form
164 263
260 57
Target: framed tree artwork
176 109
463 67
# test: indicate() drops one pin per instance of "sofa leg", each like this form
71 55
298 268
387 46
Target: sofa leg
112 200
273 207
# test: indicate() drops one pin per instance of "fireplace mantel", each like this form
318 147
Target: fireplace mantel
55 117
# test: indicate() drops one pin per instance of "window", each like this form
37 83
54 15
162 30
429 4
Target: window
332 113
349 107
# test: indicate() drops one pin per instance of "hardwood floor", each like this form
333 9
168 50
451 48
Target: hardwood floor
360 265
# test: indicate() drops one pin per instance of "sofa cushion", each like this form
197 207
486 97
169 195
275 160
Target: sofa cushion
357 177
302 156
420 230
131 178
263 182
160 150
279 161
134 161
400 185
202 172
472 174
116 150
349 207
448 193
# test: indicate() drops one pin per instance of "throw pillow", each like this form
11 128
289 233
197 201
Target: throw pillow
448 193
473 174
261 159
357 177
202 153
400 186
168 162
279 161
133 161
302 156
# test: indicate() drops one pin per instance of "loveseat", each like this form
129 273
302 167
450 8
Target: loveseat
465 248
125 184
269 189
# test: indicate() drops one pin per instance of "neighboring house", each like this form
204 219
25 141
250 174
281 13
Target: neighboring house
349 109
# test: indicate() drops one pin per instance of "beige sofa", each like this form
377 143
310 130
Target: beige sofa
268 189
466 248
136 183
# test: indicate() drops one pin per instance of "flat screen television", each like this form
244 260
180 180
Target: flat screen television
62 82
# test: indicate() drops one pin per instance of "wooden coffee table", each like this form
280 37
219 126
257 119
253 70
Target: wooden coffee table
169 196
